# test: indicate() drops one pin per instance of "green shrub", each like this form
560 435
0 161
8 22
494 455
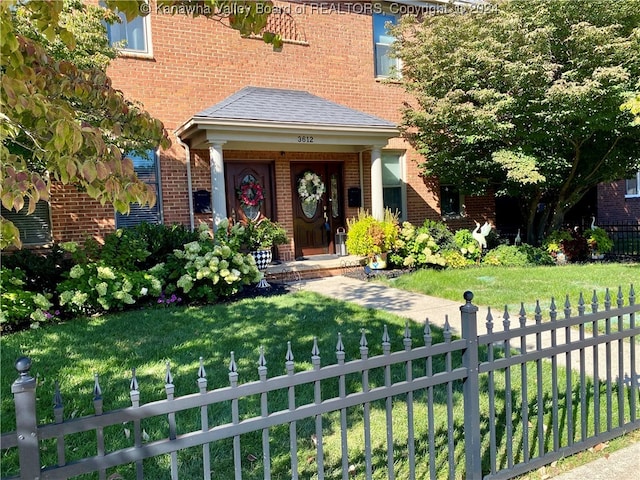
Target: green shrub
441 234
42 271
467 245
517 256
415 248
210 271
96 287
21 307
455 259
368 236
598 240
570 242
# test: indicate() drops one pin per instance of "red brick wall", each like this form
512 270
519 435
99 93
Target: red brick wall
198 62
614 207
75 216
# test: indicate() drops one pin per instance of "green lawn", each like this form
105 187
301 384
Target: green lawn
111 345
499 286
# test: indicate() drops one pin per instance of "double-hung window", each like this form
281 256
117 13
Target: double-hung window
35 229
393 184
131 36
632 186
147 169
385 65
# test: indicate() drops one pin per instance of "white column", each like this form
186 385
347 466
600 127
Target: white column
218 193
377 203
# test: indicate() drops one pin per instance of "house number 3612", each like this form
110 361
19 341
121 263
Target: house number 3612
305 139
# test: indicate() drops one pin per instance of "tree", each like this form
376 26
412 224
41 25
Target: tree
61 119
525 97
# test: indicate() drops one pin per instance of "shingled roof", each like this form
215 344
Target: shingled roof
288 106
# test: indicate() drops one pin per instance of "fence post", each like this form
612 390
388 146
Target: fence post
24 398
470 390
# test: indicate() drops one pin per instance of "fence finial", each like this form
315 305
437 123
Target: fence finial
233 368
168 378
632 296
97 391
468 296
505 318
385 337
363 338
289 356
262 362
315 351
201 371
23 365
489 322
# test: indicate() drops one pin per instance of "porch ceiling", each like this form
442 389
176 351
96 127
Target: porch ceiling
284 120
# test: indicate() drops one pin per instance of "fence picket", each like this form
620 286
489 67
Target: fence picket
235 418
553 315
366 407
317 398
264 411
58 414
204 421
97 408
169 389
492 396
409 400
134 394
428 340
293 434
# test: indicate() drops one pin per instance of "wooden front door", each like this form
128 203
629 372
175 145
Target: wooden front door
237 173
315 223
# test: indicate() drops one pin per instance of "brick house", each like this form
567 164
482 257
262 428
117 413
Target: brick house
619 201
239 111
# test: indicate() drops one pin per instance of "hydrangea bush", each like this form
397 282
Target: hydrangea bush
95 287
415 248
212 270
19 304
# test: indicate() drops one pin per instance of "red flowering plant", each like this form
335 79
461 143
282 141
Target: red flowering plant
250 193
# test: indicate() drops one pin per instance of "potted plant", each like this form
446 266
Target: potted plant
599 242
372 238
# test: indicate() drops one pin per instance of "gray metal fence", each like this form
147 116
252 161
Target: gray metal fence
548 388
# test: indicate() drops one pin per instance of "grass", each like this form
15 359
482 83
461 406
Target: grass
500 286
111 345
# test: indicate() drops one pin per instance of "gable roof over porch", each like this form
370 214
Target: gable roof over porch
256 118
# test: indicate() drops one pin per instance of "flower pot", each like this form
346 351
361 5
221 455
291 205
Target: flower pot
378 261
263 259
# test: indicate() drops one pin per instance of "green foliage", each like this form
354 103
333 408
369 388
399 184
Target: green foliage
467 245
264 234
42 271
569 242
598 240
96 287
211 271
415 248
440 234
19 305
517 256
455 259
519 97
368 236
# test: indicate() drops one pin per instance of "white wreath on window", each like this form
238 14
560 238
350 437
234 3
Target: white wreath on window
310 188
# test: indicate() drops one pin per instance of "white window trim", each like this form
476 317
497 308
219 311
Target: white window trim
402 154
148 53
632 195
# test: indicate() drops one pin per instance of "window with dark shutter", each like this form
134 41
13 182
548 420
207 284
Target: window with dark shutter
147 169
35 229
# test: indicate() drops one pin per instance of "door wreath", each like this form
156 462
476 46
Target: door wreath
310 188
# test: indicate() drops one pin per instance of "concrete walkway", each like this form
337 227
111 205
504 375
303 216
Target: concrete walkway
621 465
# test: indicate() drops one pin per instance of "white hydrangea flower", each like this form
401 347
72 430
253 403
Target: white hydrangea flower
76 271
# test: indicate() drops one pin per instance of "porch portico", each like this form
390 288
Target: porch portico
284 121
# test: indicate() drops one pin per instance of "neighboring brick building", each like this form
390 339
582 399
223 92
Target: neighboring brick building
619 202
242 111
